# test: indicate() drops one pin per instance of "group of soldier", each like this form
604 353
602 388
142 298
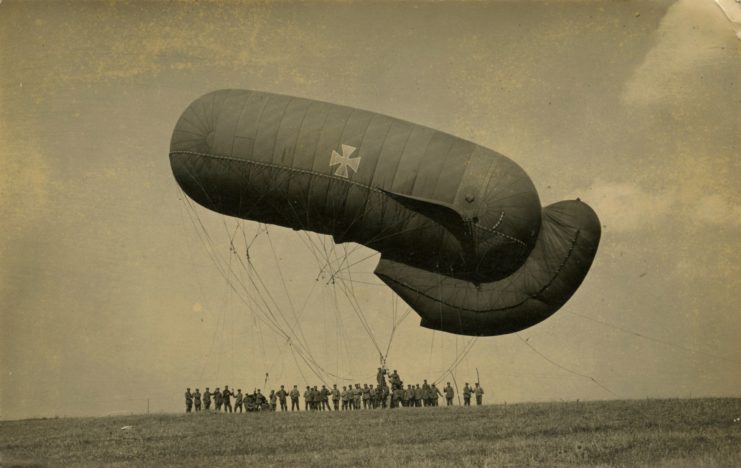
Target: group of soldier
345 399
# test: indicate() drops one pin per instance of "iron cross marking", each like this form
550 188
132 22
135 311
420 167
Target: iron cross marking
345 161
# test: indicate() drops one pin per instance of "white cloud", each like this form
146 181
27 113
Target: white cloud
692 37
624 206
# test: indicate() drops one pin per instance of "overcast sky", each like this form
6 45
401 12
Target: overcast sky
109 297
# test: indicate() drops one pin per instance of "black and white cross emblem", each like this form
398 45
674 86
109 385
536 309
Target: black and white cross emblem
344 160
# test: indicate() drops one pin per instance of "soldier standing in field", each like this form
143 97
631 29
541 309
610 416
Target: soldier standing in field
273 400
381 377
227 394
294 399
307 398
426 394
197 400
282 398
417 396
336 397
238 398
358 395
343 395
366 396
373 397
207 399
467 395
479 392
449 394
408 399
324 397
218 399
188 400
435 395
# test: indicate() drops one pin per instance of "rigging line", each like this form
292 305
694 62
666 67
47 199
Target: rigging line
211 251
287 291
466 349
358 311
562 367
657 340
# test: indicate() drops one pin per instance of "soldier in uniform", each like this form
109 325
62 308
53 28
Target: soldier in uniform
227 394
396 380
336 397
343 396
238 398
467 395
282 394
307 398
417 396
381 377
408 399
294 399
273 400
426 394
197 400
449 394
479 392
435 395
372 397
207 399
218 399
188 400
358 395
366 396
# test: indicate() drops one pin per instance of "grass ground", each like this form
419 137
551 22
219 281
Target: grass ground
640 432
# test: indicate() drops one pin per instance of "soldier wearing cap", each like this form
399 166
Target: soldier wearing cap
381 377
366 396
227 394
282 398
467 395
426 394
479 392
197 400
307 398
273 400
345 399
188 400
294 399
238 398
218 399
449 394
207 399
417 396
435 395
336 397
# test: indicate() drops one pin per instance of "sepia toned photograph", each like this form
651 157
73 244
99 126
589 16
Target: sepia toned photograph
370 233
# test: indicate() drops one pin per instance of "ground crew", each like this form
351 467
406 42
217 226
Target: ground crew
366 396
307 398
207 399
218 399
435 395
397 397
336 397
325 398
197 400
282 398
449 394
188 400
479 394
357 395
238 398
417 396
426 394
343 395
467 395
273 400
381 377
294 399
408 396
227 394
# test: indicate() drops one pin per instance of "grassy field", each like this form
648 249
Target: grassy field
640 432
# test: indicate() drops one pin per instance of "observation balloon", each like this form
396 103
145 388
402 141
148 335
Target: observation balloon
460 229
